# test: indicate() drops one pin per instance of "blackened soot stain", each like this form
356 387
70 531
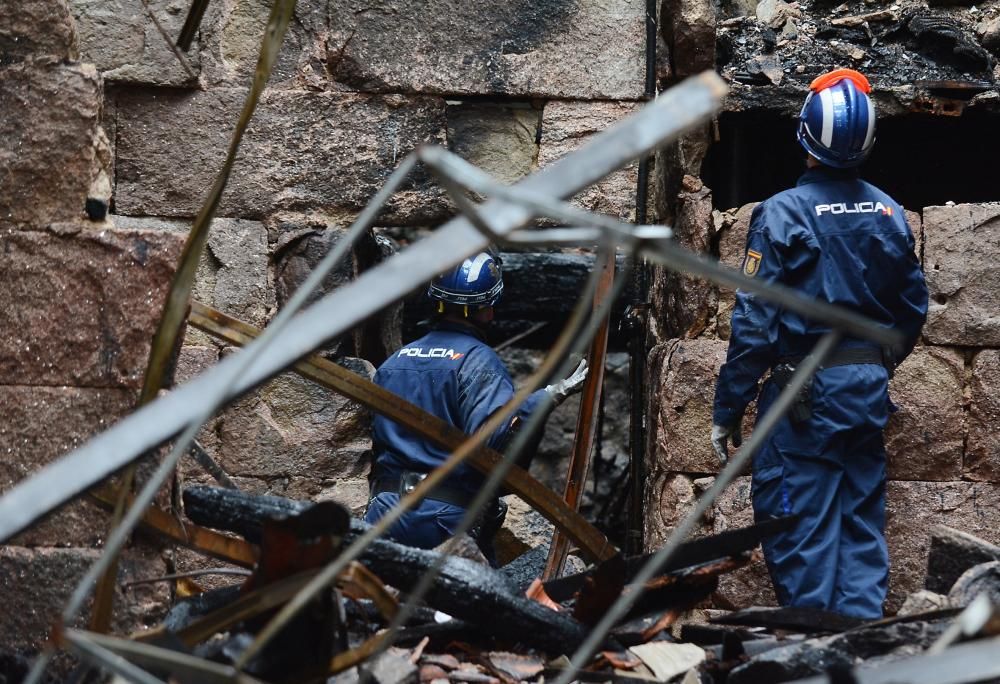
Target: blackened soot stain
518 28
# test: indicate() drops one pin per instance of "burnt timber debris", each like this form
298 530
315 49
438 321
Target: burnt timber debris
907 47
480 627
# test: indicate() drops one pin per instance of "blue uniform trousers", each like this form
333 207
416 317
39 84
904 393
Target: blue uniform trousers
830 469
425 526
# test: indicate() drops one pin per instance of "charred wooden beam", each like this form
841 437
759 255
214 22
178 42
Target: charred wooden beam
728 543
235 511
975 661
824 654
473 593
184 612
793 618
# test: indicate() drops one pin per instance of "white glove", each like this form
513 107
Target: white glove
569 386
721 434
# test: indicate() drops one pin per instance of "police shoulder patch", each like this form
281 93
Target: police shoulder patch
752 263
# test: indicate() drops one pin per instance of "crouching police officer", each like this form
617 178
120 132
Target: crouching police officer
843 241
452 373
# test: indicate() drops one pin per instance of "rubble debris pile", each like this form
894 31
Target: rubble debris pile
904 44
478 626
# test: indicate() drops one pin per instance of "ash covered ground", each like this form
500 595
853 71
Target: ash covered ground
895 44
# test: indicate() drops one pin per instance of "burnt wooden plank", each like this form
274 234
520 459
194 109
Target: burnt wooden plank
474 593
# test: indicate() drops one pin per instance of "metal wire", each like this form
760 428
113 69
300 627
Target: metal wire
108 661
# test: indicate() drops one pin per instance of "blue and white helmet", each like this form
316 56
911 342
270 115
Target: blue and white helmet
477 281
837 122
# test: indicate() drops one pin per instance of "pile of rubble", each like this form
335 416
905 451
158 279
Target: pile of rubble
477 624
948 48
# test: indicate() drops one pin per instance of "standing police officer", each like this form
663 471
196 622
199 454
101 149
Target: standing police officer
841 240
452 373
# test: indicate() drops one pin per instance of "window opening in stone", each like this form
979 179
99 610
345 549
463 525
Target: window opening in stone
919 159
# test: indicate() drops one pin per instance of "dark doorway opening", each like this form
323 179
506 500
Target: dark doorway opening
920 160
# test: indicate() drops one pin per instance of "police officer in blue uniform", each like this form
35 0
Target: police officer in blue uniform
452 373
843 241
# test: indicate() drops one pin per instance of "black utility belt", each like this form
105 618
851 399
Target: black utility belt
846 356
801 410
406 481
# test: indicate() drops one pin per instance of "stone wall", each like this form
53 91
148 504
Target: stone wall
97 107
511 87
81 302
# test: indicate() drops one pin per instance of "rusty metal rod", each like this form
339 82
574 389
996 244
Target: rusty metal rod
586 425
167 339
203 540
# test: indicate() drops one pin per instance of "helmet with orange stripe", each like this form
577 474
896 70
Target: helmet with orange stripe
837 122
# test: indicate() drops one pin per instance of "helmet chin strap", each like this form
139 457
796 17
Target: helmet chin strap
465 309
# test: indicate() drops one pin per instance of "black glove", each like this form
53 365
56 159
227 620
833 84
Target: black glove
722 433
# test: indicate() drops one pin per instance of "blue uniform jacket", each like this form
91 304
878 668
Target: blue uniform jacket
453 374
833 237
